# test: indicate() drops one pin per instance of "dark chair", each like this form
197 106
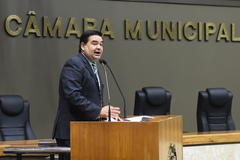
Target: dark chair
14 119
152 101
214 110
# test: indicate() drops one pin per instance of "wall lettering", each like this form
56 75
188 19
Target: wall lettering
190 31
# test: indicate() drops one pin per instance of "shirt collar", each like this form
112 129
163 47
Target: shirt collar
90 62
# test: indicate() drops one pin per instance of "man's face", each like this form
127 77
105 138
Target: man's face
94 48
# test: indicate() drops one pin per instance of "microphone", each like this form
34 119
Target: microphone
106 78
125 108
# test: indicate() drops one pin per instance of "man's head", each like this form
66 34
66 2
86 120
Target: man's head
91 44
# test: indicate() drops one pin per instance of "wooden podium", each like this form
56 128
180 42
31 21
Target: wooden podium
149 140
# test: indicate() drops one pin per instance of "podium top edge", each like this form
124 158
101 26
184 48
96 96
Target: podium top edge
155 119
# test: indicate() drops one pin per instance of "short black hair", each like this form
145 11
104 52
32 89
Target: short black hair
85 37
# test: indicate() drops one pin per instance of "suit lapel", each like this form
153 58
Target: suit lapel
86 64
89 68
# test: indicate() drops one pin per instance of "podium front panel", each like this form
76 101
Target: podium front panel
126 140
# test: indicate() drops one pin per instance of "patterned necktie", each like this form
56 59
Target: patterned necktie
94 66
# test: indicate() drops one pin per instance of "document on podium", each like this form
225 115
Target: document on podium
134 119
139 118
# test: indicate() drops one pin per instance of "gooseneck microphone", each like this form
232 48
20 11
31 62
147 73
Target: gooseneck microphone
106 78
125 108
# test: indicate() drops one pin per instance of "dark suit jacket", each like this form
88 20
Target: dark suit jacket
79 96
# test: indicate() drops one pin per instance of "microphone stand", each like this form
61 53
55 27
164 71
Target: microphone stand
109 110
125 108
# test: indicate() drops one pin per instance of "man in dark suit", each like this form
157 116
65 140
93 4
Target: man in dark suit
80 89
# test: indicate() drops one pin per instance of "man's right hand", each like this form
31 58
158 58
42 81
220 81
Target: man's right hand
115 111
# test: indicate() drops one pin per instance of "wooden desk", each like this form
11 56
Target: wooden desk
31 148
200 138
26 143
211 145
36 150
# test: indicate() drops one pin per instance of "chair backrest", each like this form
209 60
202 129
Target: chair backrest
214 110
152 101
14 119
